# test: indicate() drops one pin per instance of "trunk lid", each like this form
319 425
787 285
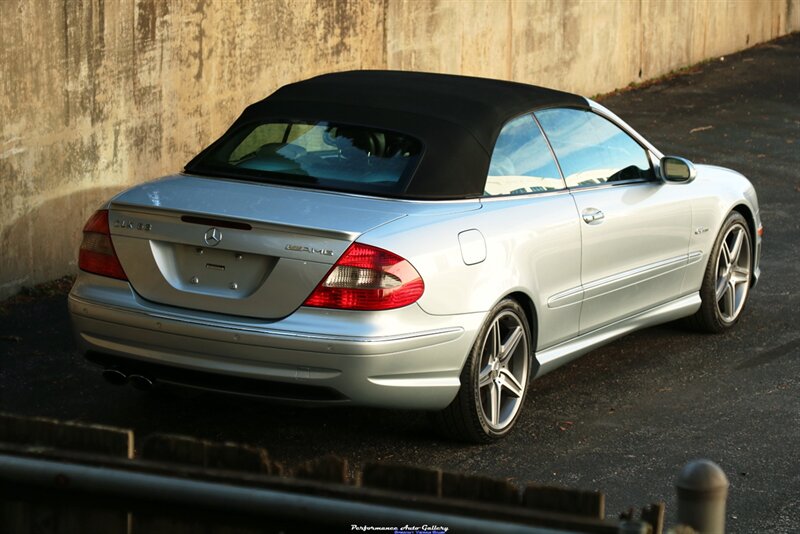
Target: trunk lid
235 247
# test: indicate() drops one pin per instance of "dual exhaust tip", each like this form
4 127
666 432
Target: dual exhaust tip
120 378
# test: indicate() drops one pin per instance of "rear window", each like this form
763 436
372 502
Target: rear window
320 155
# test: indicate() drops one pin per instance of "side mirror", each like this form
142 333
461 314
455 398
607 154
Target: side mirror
678 170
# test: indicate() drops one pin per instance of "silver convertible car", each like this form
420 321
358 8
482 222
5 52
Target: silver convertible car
409 240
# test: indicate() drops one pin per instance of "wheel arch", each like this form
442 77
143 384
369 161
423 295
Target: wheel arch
525 300
745 211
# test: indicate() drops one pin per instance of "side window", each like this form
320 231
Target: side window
521 161
592 150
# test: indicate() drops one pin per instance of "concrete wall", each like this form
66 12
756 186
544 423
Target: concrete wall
100 95
588 47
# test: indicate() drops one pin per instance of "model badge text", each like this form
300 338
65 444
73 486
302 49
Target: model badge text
132 225
310 250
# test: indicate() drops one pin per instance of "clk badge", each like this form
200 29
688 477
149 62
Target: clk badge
213 237
132 225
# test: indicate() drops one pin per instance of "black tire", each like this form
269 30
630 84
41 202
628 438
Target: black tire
465 419
718 314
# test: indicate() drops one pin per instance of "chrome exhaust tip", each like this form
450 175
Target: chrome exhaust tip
115 376
141 382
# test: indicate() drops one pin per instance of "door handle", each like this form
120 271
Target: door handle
592 216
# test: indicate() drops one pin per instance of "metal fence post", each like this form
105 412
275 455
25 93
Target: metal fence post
702 491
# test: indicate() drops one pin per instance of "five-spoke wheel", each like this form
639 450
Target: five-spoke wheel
504 369
494 379
733 272
727 279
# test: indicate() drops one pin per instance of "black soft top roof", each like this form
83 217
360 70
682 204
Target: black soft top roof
457 118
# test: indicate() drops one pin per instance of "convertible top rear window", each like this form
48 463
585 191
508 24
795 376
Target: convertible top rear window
322 155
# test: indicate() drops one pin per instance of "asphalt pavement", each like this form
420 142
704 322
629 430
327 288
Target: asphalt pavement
623 419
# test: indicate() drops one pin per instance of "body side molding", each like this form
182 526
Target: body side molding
554 357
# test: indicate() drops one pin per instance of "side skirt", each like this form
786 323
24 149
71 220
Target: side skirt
563 353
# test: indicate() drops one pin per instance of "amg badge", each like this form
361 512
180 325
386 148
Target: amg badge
310 250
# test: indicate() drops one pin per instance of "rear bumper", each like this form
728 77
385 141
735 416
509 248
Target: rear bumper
401 358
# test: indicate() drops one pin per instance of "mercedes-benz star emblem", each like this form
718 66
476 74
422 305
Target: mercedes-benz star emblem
213 237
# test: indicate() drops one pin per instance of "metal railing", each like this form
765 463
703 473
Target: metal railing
54 474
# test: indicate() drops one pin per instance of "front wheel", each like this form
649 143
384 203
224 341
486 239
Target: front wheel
726 283
494 380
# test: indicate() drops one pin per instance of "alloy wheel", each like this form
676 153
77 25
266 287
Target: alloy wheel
503 373
733 273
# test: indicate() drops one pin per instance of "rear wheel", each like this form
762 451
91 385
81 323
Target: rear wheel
726 283
494 380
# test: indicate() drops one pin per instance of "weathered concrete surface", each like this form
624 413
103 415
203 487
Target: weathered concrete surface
588 47
98 95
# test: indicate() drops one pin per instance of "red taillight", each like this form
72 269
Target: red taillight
97 254
368 278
